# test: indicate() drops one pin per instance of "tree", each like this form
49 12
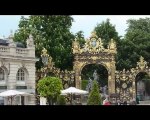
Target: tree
106 31
51 32
80 37
136 42
94 96
50 87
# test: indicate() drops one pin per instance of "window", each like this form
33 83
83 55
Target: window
1 74
1 101
3 87
20 75
21 87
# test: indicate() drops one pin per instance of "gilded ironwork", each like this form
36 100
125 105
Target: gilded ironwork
93 52
126 80
93 45
67 77
76 46
142 63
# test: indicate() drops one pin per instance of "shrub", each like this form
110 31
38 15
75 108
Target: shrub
84 84
61 100
94 96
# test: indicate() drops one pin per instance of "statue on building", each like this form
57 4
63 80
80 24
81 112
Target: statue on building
112 44
30 41
10 38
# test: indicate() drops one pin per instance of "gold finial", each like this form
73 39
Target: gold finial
112 44
44 51
93 34
11 34
75 39
142 63
141 59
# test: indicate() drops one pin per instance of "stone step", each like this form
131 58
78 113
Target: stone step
144 102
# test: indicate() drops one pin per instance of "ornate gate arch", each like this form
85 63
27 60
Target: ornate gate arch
93 52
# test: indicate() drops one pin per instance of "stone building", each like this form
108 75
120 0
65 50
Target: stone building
17 69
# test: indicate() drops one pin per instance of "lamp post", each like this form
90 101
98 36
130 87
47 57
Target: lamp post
45 58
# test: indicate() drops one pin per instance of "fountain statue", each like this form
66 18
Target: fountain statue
89 86
95 76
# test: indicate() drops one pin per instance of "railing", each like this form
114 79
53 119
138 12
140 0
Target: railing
4 50
13 51
21 51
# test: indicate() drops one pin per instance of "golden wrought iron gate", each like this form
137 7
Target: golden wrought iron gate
120 82
126 80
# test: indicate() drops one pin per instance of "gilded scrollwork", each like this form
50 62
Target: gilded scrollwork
142 63
76 46
124 81
93 52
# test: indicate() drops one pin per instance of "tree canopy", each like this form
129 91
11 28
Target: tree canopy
50 87
51 32
136 43
106 31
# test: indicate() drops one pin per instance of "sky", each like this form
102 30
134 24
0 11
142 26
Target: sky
86 23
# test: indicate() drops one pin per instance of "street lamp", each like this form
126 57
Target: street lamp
44 57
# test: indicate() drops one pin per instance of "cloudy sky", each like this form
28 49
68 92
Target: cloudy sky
86 23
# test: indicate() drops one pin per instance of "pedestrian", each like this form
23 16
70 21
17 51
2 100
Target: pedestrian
125 102
106 102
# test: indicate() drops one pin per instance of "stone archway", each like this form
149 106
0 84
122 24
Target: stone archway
93 52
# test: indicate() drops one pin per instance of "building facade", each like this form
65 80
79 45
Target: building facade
17 69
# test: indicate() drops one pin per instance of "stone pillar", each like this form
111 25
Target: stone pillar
77 67
77 79
42 101
111 78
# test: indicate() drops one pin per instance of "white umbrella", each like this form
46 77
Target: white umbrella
13 93
73 90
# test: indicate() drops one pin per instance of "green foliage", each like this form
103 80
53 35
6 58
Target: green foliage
80 37
88 70
61 100
84 84
50 87
106 31
94 96
136 43
51 32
